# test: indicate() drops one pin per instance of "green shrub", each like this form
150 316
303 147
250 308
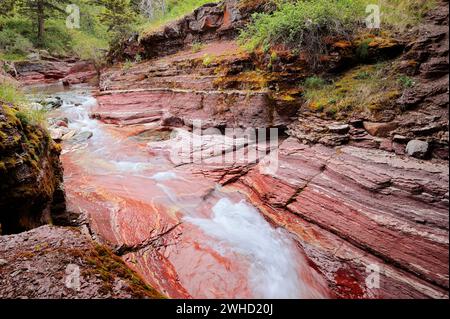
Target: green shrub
27 114
403 14
208 59
175 9
363 75
18 34
302 24
138 58
362 51
406 82
32 116
314 82
13 42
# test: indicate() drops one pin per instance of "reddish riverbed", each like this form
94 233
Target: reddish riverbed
185 235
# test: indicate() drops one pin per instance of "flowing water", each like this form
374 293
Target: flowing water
207 242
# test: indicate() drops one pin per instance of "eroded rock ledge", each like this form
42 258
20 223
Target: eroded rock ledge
54 262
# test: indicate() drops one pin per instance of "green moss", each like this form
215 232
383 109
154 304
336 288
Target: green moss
246 80
197 47
109 266
368 88
208 59
314 82
2 167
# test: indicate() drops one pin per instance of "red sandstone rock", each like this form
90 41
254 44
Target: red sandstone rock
380 129
384 209
50 71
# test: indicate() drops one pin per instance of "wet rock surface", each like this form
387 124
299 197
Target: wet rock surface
350 190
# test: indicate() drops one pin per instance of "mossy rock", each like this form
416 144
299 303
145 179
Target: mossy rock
30 172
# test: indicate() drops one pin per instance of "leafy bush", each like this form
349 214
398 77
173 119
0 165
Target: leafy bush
175 10
127 65
302 24
18 33
405 81
13 42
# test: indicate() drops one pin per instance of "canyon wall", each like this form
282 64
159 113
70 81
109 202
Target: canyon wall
31 173
359 190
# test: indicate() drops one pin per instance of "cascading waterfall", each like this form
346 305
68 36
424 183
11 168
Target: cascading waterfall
239 227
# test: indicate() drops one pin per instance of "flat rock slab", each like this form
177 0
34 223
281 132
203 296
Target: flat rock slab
55 262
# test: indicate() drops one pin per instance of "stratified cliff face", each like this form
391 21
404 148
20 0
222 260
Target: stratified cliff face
360 189
30 173
211 21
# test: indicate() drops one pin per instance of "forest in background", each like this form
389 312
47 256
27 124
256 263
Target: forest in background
26 25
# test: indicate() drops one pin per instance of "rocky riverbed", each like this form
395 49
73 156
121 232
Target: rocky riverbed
163 166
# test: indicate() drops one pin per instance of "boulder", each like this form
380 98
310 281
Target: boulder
56 133
380 129
52 103
83 136
418 149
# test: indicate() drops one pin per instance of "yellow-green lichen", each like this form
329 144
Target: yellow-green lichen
364 89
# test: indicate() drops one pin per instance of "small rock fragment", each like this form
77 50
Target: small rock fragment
417 149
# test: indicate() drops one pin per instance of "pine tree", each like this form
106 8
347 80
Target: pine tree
39 11
6 6
118 16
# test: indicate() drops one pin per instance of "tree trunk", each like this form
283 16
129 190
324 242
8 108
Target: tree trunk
41 20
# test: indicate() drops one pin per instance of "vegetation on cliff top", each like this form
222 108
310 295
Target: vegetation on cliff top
302 24
175 9
365 89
